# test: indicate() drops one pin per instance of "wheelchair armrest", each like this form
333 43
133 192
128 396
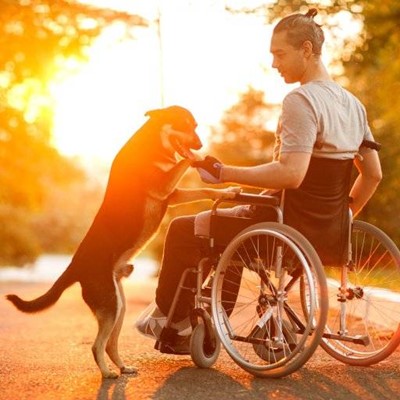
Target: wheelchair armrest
257 199
252 199
224 228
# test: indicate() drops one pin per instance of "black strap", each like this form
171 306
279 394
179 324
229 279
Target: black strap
371 145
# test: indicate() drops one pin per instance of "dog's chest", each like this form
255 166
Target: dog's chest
154 211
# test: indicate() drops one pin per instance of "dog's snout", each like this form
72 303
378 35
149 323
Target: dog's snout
197 145
196 142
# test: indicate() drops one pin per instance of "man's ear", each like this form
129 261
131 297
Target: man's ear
308 48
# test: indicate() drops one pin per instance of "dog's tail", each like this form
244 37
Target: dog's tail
48 299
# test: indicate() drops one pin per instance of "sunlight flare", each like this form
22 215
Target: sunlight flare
201 66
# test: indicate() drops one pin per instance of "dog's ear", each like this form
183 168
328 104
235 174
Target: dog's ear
180 118
154 113
161 115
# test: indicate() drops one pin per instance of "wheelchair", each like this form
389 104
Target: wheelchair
266 293
272 297
271 302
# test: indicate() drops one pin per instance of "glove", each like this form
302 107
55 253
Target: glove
209 169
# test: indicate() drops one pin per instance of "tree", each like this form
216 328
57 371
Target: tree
374 75
35 37
243 137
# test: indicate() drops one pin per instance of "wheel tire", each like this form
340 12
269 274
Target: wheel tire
201 352
230 314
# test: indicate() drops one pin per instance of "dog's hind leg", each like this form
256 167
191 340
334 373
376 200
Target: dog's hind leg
106 323
106 311
112 345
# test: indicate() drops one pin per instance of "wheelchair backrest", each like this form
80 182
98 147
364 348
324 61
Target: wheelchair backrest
319 208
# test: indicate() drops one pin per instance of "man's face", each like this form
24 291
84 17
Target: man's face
289 61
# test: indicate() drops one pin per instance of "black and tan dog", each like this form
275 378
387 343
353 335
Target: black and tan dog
142 183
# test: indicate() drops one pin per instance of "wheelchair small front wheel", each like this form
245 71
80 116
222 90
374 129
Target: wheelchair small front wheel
204 353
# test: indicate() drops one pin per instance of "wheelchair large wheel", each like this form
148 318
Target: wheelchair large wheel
363 327
258 311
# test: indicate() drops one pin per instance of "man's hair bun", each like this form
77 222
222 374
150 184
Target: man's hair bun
312 12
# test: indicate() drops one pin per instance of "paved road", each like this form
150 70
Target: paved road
47 356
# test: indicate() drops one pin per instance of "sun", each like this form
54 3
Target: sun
96 106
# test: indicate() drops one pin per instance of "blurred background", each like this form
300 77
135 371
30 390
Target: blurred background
76 78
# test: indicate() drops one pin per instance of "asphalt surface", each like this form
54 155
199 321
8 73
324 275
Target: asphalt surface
47 356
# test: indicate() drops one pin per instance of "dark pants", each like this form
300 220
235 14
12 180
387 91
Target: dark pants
182 250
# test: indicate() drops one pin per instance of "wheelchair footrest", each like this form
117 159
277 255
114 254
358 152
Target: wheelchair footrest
171 343
181 347
357 339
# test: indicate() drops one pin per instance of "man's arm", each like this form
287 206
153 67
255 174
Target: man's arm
286 173
370 175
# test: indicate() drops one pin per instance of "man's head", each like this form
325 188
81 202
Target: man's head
296 41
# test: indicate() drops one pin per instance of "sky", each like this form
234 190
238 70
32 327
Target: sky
205 58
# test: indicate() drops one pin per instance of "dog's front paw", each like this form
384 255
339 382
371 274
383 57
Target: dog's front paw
129 370
109 375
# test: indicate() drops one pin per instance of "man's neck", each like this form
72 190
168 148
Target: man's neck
315 72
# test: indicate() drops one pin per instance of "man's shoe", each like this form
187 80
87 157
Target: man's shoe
152 321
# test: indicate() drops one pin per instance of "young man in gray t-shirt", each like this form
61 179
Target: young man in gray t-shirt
320 121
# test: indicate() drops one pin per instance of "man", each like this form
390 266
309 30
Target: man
320 136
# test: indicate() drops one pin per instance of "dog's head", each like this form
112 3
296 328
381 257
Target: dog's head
182 137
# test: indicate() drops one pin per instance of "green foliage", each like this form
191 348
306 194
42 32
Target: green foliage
243 137
66 214
374 75
32 174
35 36
18 245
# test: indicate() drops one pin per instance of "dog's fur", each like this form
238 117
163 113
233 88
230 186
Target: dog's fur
143 176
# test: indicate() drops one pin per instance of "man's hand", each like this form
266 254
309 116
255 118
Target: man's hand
224 194
209 169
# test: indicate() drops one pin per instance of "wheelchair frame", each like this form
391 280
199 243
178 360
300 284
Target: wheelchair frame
291 311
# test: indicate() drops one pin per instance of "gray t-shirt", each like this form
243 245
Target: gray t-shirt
322 118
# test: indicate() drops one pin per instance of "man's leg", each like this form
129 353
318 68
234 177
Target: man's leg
182 250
